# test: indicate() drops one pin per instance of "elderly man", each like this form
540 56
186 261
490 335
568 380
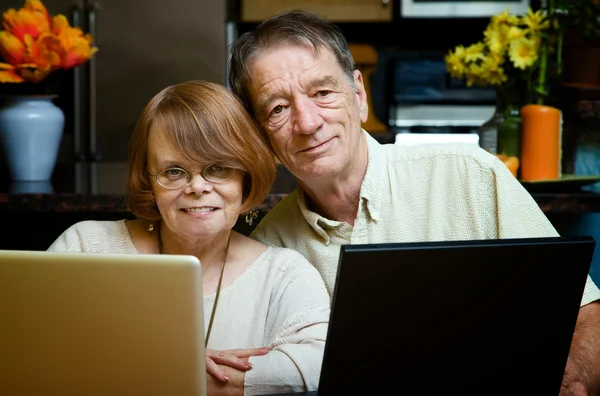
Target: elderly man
296 76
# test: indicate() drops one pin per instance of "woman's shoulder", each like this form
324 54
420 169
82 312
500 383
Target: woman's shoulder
287 261
93 236
109 226
95 229
293 276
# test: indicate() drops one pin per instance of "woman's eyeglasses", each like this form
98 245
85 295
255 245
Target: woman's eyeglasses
174 178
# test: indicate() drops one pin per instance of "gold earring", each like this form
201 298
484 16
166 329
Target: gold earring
251 216
150 227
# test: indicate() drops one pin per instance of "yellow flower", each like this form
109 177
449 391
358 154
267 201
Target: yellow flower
492 70
523 52
515 32
474 79
455 62
504 18
536 21
474 52
498 58
496 37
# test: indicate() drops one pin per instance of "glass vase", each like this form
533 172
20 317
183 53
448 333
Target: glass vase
509 133
488 131
502 131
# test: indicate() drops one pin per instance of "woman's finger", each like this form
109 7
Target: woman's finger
227 359
241 353
213 369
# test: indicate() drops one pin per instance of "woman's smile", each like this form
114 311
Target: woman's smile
202 209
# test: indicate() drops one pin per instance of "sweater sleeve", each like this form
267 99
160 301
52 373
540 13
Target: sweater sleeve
297 328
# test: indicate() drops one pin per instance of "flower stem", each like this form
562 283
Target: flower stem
541 83
559 51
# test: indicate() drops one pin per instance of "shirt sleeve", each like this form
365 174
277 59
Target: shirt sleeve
297 322
519 216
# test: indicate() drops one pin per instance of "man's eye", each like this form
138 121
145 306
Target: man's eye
322 93
277 110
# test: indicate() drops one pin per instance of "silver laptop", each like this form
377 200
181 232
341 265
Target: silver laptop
100 324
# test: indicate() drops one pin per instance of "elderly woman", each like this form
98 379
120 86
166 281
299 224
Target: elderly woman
197 162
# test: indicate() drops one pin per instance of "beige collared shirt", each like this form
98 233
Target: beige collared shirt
415 194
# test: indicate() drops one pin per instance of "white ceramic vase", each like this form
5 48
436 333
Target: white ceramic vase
31 128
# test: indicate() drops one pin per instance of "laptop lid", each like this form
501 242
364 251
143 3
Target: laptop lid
100 324
492 317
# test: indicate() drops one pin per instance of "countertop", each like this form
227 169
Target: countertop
35 214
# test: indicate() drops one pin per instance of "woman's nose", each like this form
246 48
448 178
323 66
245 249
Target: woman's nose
199 184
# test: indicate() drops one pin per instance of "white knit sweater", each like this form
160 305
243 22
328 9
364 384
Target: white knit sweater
280 301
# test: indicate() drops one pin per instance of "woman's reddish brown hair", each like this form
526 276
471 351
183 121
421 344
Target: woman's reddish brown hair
208 124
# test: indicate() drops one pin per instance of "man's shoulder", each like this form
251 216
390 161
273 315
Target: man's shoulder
285 208
275 226
445 152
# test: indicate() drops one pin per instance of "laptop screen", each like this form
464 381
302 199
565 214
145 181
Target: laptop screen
465 317
101 324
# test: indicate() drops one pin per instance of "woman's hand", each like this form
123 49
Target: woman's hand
236 358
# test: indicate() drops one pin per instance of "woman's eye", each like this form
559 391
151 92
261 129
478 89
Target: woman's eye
174 173
217 169
219 172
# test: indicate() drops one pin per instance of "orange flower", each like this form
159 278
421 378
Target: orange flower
32 72
34 45
44 52
32 19
8 74
76 47
11 48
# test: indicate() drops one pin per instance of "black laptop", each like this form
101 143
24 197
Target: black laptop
487 317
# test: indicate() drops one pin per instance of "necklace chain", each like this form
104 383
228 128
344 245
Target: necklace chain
214 308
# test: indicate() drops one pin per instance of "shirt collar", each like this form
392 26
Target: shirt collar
374 177
312 218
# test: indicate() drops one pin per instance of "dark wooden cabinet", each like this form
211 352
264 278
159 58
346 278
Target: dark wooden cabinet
334 10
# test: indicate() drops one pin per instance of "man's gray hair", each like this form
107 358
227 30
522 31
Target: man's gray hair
286 28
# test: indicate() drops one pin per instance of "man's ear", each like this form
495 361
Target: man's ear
361 95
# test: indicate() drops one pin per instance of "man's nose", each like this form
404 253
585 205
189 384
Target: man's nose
307 117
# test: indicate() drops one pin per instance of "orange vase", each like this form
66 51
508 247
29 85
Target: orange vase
541 142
